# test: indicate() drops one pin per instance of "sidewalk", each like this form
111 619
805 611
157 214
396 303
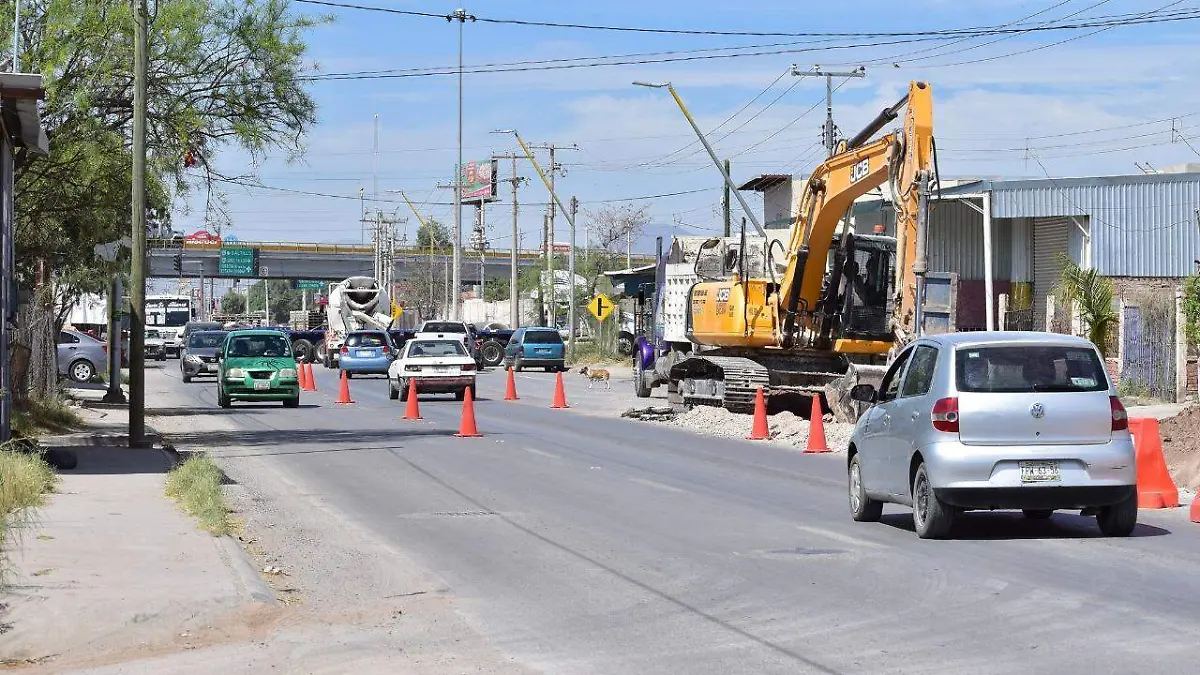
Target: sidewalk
111 569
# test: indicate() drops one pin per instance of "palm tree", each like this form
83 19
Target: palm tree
1093 295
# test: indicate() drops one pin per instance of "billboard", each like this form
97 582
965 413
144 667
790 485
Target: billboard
479 181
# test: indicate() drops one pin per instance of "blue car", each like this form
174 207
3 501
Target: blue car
537 348
367 352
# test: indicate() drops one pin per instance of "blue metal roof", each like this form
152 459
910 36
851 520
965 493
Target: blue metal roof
1141 225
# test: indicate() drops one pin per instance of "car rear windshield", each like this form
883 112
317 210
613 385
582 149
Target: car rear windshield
366 340
1029 368
435 348
259 345
543 337
204 340
443 327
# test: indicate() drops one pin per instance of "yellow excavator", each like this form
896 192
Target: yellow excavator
812 322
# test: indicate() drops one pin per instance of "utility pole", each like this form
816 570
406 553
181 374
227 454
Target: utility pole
541 286
514 304
830 130
725 205
137 265
571 271
462 17
16 45
554 169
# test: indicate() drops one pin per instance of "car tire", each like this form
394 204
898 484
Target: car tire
551 369
640 388
187 378
863 509
291 402
223 399
327 360
349 375
393 392
492 353
81 370
460 395
932 517
1038 514
625 343
517 366
403 392
303 350
1119 520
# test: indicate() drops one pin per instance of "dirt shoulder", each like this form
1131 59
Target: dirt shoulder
1181 447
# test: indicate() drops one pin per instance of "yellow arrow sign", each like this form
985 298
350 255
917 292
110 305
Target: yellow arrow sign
600 307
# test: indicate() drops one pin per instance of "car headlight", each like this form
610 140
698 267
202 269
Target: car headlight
194 359
235 374
287 373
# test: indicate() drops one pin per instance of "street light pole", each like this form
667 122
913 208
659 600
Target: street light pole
462 17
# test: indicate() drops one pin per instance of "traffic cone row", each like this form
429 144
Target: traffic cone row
307 382
760 431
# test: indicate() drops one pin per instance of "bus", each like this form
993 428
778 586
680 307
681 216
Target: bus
169 314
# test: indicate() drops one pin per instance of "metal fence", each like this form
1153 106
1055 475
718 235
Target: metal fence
1148 367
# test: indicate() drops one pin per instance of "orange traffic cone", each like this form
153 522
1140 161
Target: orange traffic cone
312 381
344 394
760 431
467 428
816 428
560 396
1195 510
412 411
1155 488
305 385
510 391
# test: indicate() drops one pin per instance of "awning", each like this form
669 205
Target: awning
629 281
20 93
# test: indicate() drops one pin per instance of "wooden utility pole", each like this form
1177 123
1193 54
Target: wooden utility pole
137 265
514 302
725 207
571 320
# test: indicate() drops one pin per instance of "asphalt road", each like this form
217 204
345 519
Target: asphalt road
577 543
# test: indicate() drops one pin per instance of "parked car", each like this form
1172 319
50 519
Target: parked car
994 420
80 356
439 366
257 365
155 347
535 347
199 355
366 352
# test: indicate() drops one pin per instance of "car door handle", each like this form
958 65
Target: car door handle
887 419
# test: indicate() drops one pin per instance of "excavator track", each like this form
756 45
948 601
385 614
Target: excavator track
723 381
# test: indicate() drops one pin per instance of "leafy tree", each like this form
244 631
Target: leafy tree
284 299
1191 309
233 303
435 234
1093 295
222 74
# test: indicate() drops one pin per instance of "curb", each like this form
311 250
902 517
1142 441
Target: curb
247 574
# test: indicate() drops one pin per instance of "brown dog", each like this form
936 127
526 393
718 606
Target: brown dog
595 375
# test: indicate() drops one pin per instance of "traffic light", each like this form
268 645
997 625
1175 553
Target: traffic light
179 263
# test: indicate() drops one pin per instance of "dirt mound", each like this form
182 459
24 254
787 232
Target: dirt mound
1181 447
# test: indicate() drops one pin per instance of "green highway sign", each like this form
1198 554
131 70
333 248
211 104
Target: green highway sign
238 261
310 285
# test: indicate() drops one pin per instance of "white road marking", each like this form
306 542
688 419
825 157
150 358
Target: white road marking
655 484
839 537
543 453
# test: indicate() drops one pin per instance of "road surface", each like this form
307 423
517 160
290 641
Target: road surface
580 543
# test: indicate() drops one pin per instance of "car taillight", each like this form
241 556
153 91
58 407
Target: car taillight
945 415
468 366
345 349
478 342
386 350
1120 418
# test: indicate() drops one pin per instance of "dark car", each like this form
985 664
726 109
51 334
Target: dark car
199 355
536 347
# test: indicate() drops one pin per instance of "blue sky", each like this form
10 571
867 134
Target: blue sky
985 111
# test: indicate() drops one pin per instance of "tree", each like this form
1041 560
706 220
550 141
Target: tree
435 233
284 299
222 74
233 303
611 227
424 287
1093 295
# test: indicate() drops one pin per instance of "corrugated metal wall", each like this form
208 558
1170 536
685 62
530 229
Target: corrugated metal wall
1141 226
1051 237
956 242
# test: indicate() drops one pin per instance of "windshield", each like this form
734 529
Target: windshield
435 348
543 337
206 339
153 335
443 327
259 345
1026 369
366 340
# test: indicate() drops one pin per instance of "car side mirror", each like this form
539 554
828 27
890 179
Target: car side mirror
863 392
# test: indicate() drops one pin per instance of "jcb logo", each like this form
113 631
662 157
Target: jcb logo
723 295
860 170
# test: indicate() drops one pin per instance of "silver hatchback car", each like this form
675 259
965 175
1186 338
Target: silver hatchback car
994 420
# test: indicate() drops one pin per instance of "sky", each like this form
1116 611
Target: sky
1089 101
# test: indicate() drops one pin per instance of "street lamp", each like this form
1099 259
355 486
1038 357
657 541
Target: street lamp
462 17
704 141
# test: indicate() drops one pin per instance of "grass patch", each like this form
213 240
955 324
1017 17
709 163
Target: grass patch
591 353
44 414
25 479
196 485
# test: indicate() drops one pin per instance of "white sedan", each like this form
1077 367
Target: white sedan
439 366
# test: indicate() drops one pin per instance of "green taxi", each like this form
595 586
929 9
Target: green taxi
257 365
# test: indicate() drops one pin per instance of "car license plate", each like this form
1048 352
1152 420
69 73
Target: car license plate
364 354
543 351
260 385
1038 472
444 369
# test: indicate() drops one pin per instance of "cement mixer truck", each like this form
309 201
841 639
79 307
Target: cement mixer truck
357 303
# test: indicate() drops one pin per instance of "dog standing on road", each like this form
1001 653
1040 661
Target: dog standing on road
595 375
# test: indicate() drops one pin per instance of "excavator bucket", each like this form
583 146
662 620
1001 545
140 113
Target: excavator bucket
837 392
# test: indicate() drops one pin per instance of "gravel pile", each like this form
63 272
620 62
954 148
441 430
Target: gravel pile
786 429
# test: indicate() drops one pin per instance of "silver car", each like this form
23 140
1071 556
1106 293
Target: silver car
79 355
994 420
